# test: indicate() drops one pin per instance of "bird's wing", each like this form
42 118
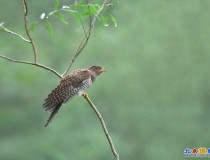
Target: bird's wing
77 77
66 90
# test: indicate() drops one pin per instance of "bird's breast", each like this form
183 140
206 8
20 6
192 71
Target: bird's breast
86 83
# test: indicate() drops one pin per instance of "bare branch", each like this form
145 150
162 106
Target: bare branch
25 7
87 35
14 33
80 48
103 125
34 64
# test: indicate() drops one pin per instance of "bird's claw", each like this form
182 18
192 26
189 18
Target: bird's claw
85 95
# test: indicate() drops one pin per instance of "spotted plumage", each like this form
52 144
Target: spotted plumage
74 84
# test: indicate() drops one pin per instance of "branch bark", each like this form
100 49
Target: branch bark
34 64
14 33
25 8
114 152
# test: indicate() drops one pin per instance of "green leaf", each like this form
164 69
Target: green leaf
70 10
50 27
113 20
61 17
87 13
94 7
57 2
74 14
104 20
33 25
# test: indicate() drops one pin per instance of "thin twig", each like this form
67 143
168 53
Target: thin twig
83 27
87 35
14 33
34 64
25 8
80 48
103 125
83 42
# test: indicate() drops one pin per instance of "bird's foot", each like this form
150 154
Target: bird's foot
85 95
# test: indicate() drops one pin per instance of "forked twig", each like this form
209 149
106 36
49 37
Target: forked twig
103 7
85 95
35 63
87 35
14 33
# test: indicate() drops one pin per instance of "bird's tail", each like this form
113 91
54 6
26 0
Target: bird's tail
54 111
53 103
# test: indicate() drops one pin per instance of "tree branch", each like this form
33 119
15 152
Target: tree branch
16 34
34 64
25 8
103 125
87 35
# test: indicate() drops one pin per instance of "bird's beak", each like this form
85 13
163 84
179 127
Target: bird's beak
102 70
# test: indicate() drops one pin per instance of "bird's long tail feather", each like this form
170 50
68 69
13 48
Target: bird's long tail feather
54 111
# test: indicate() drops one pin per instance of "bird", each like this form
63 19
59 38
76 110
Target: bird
76 83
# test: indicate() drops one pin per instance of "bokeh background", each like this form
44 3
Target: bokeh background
154 96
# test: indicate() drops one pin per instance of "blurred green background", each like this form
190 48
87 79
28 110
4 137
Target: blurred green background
154 96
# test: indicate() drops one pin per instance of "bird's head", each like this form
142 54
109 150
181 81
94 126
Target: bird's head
96 70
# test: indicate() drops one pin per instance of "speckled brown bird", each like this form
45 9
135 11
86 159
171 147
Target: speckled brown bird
73 84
